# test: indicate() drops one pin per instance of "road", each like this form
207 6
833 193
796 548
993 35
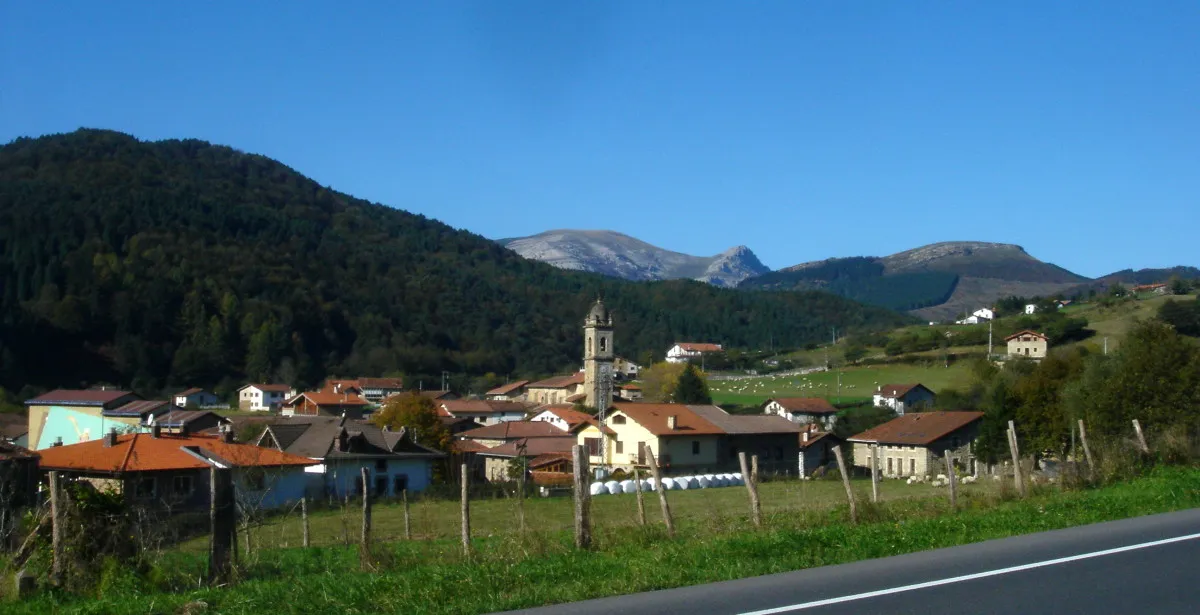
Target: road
1142 565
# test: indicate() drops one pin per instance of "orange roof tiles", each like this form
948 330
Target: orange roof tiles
1025 332
699 347
508 388
145 453
323 398
558 382
654 418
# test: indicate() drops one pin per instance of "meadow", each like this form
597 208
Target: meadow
857 383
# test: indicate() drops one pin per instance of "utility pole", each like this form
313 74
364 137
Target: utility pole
445 377
1106 346
989 340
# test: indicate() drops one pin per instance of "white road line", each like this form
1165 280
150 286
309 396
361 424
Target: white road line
968 577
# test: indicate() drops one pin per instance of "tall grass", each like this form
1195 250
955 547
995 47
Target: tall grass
541 566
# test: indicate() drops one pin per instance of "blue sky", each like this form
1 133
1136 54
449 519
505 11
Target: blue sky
801 129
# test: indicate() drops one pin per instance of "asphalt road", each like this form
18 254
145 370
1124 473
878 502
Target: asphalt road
1143 565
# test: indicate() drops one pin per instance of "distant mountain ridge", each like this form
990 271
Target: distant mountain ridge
619 255
936 281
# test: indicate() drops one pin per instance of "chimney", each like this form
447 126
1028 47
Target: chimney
337 387
227 436
110 438
57 441
156 430
183 429
804 437
672 422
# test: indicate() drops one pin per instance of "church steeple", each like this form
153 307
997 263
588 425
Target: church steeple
598 357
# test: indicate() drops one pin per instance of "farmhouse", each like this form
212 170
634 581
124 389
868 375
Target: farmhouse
904 397
171 471
563 416
556 390
689 351
321 403
774 439
263 397
1028 344
196 398
482 411
816 448
915 444
513 391
677 436
345 448
803 410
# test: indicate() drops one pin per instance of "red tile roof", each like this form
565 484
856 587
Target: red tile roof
699 346
1025 332
189 392
323 398
654 418
143 453
531 447
918 428
508 430
558 382
508 388
567 413
808 405
273 388
381 383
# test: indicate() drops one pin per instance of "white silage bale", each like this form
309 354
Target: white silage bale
683 482
613 487
669 484
648 484
627 486
710 477
704 482
598 489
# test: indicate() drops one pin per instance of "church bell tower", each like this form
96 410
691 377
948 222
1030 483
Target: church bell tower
598 358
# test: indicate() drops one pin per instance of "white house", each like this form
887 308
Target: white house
482 411
1031 308
625 369
804 411
984 314
688 351
904 397
263 397
562 416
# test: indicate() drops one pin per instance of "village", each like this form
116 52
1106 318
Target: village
323 444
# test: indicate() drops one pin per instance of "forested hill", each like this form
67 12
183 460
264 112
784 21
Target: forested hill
172 263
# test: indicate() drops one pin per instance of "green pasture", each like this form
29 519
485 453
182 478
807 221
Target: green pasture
857 383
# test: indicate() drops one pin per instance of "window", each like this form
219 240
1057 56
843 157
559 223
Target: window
620 447
381 484
618 419
889 465
145 488
399 483
695 447
593 446
603 344
912 466
181 485
589 345
381 465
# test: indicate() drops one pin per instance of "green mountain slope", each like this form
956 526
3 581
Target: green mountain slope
183 263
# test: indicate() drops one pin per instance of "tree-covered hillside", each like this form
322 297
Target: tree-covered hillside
862 279
157 265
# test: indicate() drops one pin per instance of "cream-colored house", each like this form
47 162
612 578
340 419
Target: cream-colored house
1028 345
804 410
915 444
264 397
673 433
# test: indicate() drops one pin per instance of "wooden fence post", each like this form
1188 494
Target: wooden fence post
1137 428
58 523
222 518
953 480
583 499
1015 449
407 518
641 500
875 473
364 542
841 462
521 495
304 520
751 488
753 468
1087 450
466 512
662 494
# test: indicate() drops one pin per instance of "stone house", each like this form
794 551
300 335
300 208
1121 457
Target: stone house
915 444
513 391
1028 345
556 390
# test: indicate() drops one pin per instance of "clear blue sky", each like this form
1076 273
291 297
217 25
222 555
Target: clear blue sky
803 129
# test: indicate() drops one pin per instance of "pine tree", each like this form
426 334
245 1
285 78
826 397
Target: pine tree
691 388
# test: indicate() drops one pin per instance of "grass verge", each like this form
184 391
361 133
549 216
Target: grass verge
541 568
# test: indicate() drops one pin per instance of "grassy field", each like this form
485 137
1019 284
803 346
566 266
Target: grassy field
858 383
438 519
541 567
